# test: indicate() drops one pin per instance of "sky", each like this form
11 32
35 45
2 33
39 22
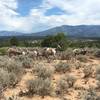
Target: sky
30 16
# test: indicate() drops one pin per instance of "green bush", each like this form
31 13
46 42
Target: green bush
3 51
14 41
58 41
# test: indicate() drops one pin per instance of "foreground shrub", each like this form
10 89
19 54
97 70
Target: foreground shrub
97 53
3 61
27 63
82 58
4 78
40 86
14 66
62 67
43 72
91 95
12 98
13 79
7 79
62 87
88 71
70 80
79 65
65 83
98 73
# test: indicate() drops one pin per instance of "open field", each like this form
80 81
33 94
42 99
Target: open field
60 77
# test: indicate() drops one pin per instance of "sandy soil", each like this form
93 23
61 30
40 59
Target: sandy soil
72 94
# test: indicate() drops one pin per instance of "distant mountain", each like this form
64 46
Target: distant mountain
10 33
74 31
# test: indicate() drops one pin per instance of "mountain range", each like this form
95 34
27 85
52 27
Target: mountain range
74 31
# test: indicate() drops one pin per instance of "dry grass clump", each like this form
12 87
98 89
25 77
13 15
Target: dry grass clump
42 71
39 86
62 67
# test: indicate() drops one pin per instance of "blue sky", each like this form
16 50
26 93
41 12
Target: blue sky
32 16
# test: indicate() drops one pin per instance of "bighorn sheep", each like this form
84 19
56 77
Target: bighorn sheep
79 51
49 51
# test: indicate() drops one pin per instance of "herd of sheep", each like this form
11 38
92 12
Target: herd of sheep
41 51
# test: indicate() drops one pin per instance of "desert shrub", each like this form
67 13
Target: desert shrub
13 97
66 82
4 78
13 79
88 70
98 85
62 87
7 79
3 61
82 58
70 80
66 55
40 86
98 77
98 70
27 63
14 66
98 73
79 65
91 95
42 71
97 53
62 67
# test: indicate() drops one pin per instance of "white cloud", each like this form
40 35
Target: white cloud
76 12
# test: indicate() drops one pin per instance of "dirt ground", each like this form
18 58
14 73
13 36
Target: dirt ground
72 93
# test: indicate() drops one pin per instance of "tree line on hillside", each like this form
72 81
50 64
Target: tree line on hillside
59 41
